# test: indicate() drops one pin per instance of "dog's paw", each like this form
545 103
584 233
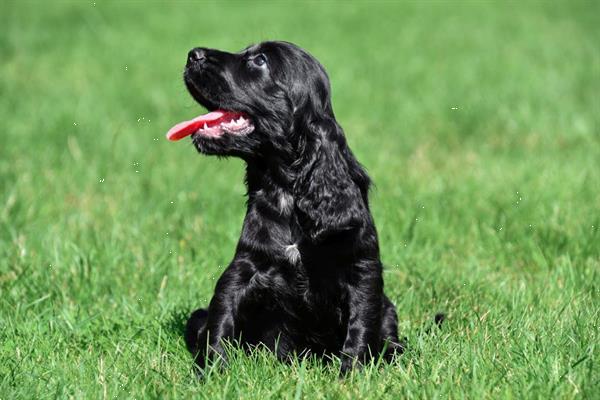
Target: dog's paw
349 364
345 368
194 328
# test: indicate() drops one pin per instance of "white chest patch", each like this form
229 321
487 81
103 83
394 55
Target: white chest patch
292 253
286 203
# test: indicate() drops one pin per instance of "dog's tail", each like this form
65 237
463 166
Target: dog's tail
438 320
194 327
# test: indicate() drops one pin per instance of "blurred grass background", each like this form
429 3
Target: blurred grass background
478 122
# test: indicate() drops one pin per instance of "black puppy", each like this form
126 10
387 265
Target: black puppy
306 276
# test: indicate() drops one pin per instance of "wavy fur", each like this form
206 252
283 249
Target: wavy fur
306 276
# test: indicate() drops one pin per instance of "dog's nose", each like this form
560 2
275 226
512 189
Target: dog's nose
196 55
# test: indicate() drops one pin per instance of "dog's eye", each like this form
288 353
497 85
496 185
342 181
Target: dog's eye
259 60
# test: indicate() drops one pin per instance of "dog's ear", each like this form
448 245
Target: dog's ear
331 187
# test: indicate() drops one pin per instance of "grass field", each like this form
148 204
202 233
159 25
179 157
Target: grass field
478 122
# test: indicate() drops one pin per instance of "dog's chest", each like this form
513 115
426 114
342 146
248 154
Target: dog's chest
271 227
272 232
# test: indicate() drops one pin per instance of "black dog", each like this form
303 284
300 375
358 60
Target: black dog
306 276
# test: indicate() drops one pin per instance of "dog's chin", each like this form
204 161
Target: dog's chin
212 147
224 141
209 147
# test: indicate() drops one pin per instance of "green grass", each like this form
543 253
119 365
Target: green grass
479 123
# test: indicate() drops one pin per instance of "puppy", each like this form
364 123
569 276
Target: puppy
306 277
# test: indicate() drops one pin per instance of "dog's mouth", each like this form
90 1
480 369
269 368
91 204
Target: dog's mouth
213 125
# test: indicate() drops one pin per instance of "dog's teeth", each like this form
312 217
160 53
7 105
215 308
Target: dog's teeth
205 126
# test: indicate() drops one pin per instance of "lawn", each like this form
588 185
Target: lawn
479 123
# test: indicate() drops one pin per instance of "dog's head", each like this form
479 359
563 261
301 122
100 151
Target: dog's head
271 102
254 98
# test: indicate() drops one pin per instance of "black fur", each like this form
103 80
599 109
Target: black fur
306 276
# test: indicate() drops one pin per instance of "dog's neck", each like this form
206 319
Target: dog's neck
273 182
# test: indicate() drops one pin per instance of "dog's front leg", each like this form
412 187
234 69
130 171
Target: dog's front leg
364 294
221 323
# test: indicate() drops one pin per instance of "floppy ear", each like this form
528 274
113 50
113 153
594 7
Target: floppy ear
331 187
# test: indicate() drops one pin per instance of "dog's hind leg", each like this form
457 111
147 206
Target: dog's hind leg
389 331
194 328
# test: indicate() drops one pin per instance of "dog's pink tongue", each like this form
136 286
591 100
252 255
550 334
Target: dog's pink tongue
186 128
